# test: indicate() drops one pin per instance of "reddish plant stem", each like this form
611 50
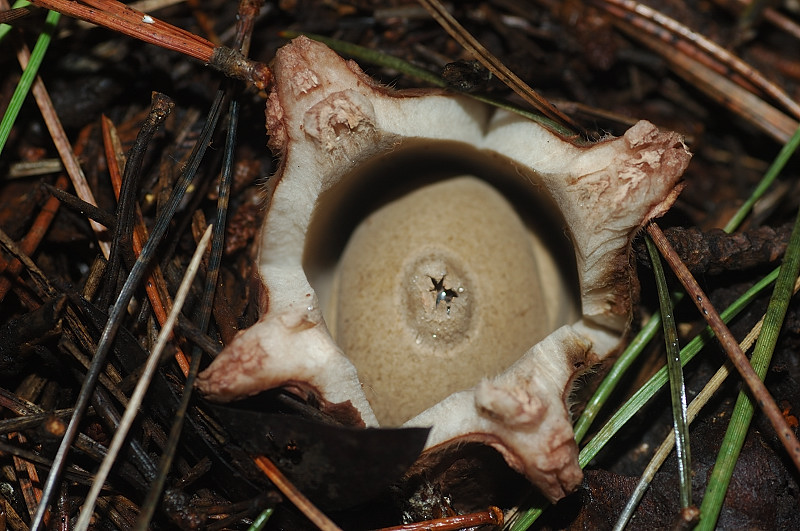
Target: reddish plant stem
491 516
12 268
316 516
757 389
123 19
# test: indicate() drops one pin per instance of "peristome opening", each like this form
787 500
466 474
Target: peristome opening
427 278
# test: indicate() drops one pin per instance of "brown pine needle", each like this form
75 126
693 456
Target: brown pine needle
277 478
123 19
744 103
729 344
132 409
728 62
65 151
11 15
494 65
491 516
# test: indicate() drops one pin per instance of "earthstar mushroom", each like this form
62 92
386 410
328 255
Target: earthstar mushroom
441 307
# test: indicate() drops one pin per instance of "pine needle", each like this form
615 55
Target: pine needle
28 77
141 387
676 383
745 408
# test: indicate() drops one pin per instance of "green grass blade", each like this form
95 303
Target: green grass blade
660 378
654 324
619 368
744 409
772 173
28 76
676 383
524 519
261 520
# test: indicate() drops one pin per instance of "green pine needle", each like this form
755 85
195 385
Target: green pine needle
772 173
28 76
660 378
676 384
744 409
526 518
261 520
620 367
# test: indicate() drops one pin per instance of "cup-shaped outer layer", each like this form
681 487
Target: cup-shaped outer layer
325 117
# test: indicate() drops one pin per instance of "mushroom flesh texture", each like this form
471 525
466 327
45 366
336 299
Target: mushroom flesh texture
414 267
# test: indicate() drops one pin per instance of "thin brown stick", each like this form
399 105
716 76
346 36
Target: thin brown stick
749 106
316 516
123 19
729 344
59 136
491 516
495 66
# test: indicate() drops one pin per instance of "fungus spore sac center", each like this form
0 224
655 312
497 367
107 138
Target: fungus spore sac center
438 301
435 290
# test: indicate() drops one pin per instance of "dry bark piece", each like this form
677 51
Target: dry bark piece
352 156
715 251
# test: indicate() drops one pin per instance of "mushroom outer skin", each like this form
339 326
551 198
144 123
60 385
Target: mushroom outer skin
325 117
